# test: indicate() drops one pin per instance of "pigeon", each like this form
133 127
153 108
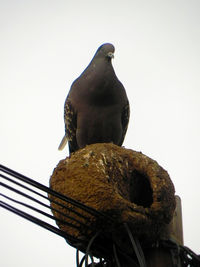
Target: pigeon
96 109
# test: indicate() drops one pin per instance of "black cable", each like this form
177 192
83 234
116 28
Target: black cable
54 193
45 197
40 211
137 250
115 256
88 248
42 204
37 221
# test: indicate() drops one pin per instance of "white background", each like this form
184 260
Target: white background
44 46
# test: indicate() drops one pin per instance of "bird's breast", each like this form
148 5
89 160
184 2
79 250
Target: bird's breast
97 125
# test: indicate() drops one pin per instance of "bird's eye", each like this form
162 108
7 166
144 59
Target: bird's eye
110 54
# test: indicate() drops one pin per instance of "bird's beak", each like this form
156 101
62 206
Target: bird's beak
110 54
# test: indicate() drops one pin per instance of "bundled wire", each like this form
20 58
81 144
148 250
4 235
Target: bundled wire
20 190
29 199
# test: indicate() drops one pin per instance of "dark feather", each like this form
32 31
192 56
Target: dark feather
96 109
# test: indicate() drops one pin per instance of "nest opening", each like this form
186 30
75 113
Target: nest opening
141 192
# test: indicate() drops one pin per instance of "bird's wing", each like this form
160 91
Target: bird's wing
70 118
70 127
125 120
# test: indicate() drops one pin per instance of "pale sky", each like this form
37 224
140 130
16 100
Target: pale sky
45 45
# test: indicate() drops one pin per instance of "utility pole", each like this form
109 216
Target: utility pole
163 257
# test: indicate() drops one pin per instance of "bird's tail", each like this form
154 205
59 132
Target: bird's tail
63 143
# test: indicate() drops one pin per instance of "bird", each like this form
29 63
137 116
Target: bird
96 109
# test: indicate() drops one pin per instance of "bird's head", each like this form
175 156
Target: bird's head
106 51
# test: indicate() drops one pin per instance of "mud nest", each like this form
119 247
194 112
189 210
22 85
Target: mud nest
125 185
